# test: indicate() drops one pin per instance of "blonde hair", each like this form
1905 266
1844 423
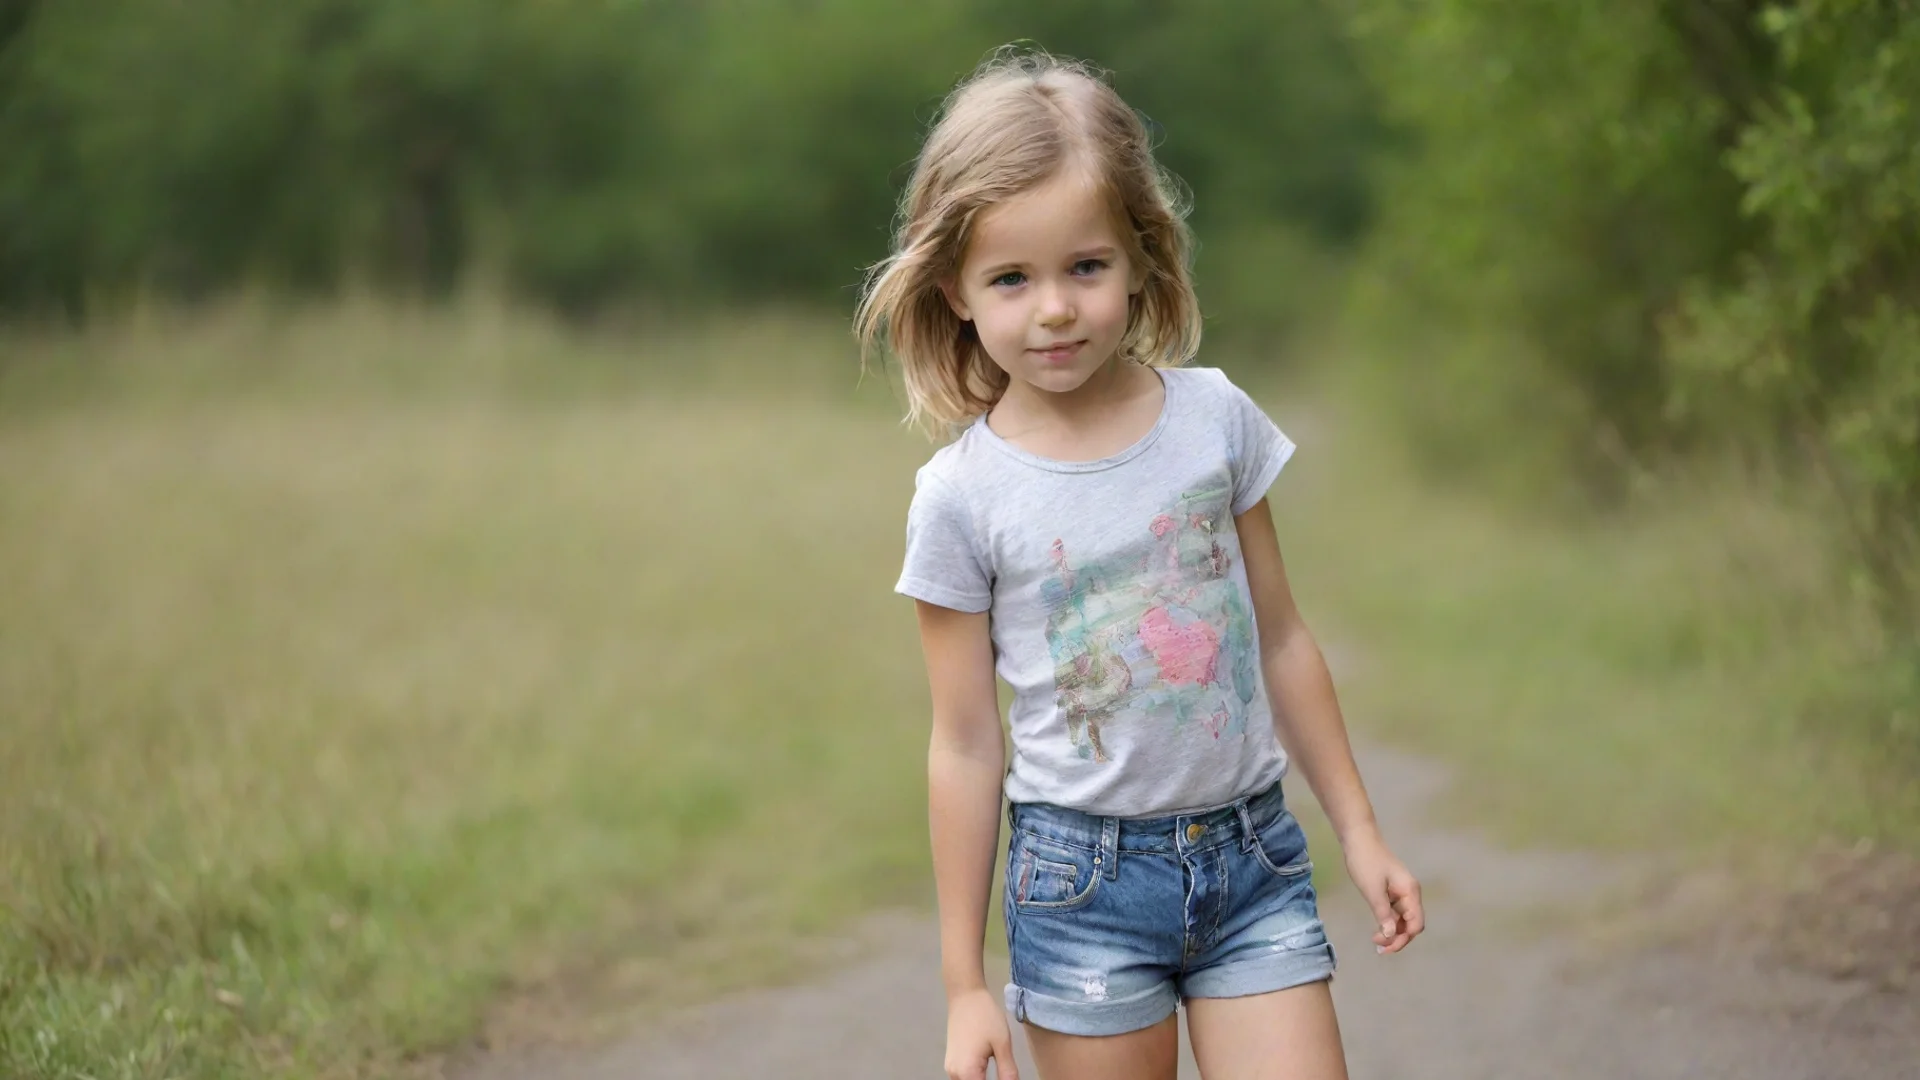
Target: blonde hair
1015 123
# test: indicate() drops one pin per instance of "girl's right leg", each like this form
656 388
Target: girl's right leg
1148 1054
1095 940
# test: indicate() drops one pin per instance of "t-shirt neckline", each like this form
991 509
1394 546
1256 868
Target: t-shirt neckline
1121 457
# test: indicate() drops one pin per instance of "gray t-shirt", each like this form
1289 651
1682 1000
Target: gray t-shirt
1120 612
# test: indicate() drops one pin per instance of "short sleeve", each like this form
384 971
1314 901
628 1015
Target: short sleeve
942 564
1258 448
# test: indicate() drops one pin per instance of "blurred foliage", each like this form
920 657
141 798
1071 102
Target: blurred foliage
1661 229
1564 180
1816 345
586 151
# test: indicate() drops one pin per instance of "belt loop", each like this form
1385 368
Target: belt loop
1110 846
1247 835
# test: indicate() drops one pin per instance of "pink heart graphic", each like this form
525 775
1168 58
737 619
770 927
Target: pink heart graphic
1188 652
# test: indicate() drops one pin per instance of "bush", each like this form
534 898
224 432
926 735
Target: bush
1661 231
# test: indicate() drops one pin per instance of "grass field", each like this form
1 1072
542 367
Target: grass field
358 668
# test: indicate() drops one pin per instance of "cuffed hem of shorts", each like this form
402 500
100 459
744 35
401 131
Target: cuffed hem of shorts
1116 1017
1264 975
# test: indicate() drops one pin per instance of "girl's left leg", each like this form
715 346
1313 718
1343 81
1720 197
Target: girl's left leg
1149 1054
1289 1034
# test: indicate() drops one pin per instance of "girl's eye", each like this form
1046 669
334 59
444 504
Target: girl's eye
1089 266
1010 278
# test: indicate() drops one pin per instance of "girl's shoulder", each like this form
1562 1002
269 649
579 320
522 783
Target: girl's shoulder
1211 398
1249 433
950 471
1208 381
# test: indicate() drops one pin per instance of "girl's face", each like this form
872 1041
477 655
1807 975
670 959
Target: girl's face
1046 283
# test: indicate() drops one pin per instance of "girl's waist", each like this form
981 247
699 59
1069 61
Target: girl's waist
1176 833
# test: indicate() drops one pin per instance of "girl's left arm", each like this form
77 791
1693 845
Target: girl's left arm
1306 716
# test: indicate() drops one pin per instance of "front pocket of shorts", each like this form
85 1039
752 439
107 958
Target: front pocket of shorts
1282 847
1049 877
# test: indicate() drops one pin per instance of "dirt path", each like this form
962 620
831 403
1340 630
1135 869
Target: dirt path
1511 980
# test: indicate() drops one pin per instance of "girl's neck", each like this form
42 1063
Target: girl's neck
1116 406
1114 382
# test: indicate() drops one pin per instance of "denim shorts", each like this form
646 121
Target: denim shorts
1111 922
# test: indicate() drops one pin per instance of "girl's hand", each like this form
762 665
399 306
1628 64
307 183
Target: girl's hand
977 1031
1389 889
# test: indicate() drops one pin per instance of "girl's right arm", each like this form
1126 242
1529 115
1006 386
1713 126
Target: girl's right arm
966 763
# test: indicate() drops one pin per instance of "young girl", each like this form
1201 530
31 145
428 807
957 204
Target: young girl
1098 534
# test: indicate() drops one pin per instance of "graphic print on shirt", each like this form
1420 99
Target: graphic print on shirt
1158 633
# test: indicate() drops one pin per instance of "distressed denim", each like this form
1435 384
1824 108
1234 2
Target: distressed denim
1111 922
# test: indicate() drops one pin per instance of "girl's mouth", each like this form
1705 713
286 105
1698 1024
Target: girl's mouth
1060 353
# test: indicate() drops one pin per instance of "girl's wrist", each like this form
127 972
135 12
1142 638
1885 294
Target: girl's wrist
961 977
1359 833
959 988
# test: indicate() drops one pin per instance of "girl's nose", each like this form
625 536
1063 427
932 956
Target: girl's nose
1055 308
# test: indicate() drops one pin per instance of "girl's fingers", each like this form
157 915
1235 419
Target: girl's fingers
1386 922
1003 1064
1415 918
1408 906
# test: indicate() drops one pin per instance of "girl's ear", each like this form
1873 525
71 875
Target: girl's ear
1136 276
951 290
